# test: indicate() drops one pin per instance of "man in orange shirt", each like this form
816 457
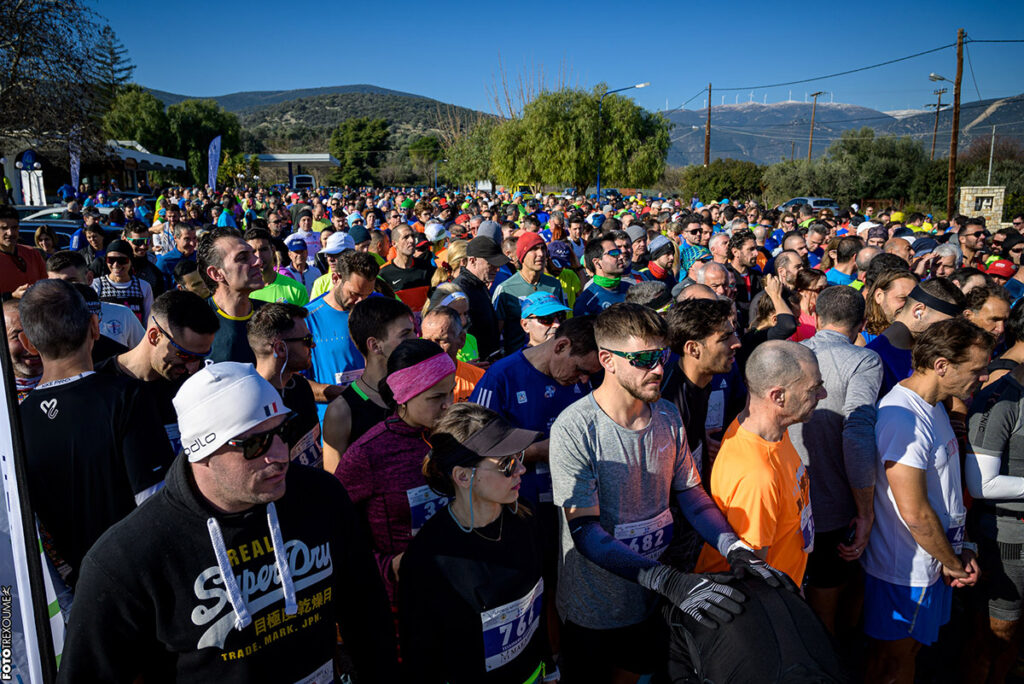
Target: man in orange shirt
758 480
20 265
443 325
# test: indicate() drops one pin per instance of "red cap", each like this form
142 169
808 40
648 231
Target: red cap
1001 268
526 242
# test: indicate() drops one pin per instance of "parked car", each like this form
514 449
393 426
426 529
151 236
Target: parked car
817 204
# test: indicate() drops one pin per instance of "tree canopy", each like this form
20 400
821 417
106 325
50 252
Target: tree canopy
136 114
193 124
556 141
360 145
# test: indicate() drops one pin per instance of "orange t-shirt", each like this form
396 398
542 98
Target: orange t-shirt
466 377
24 268
764 491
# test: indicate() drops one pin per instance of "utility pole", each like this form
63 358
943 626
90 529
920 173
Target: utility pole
954 136
938 107
707 132
792 150
810 143
991 153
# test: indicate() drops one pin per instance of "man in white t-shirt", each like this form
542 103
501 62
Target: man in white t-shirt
917 551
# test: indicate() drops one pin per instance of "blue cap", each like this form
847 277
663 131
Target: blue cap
295 243
559 253
542 304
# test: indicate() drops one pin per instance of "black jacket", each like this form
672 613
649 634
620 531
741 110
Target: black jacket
483 321
151 603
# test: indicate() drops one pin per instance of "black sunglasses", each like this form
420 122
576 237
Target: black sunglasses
550 319
257 445
306 340
117 260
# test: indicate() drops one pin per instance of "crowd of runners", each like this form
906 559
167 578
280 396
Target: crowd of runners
488 437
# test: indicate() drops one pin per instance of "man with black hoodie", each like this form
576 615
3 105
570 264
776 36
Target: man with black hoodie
240 568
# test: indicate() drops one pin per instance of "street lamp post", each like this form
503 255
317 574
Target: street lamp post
938 107
600 123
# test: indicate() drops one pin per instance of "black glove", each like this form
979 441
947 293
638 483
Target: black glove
745 562
708 599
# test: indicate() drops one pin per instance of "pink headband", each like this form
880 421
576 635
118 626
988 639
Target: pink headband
408 382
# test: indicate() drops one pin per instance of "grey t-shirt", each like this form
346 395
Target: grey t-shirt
631 475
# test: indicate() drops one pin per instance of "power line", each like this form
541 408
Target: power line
973 77
844 73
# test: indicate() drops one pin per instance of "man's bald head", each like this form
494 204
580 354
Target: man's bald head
777 363
696 291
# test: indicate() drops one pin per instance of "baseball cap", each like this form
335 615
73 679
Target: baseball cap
435 232
497 439
636 232
485 248
606 208
220 402
338 243
353 218
924 246
1002 268
295 243
559 253
491 230
542 304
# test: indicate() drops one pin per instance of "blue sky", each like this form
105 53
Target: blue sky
452 51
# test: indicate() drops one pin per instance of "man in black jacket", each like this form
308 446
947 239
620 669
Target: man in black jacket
484 258
240 568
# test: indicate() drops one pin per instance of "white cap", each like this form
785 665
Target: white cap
435 232
338 243
220 402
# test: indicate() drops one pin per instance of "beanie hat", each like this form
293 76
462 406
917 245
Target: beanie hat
526 242
358 233
120 247
220 402
490 229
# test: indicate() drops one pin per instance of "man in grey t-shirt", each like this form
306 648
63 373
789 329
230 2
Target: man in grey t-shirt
617 456
837 445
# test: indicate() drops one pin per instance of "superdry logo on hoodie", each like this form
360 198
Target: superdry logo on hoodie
260 587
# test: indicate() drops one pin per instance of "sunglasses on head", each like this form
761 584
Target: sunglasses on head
306 340
550 319
183 354
647 360
117 260
257 445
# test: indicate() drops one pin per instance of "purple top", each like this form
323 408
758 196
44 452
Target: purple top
382 472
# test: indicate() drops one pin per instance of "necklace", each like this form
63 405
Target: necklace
501 526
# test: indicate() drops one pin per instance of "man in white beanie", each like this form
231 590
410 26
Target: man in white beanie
240 568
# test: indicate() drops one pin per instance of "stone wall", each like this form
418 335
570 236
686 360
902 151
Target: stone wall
984 201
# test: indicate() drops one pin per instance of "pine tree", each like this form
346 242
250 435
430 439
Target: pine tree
112 67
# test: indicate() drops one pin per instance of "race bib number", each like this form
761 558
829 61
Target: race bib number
544 491
955 533
650 537
716 411
807 527
348 377
323 675
424 502
508 629
307 450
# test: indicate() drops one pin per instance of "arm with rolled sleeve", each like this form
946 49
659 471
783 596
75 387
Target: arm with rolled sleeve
859 413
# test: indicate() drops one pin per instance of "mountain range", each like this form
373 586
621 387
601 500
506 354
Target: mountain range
301 121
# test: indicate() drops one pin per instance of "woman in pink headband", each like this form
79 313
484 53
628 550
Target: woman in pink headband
382 469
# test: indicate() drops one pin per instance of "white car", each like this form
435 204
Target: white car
817 204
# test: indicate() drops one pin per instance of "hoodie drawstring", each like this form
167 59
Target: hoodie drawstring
291 606
242 617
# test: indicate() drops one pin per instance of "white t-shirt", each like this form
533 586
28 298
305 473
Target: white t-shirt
912 432
119 324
